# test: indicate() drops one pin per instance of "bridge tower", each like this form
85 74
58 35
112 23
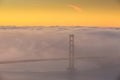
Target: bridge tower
71 53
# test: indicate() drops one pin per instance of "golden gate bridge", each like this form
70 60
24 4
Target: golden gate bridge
71 58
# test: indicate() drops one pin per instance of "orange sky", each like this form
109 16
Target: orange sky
60 12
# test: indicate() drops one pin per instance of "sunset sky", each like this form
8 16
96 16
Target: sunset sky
60 12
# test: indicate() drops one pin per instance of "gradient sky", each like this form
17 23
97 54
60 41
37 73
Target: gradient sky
60 12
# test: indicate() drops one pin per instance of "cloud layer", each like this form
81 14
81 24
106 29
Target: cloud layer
52 42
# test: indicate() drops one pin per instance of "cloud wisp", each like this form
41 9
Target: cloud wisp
76 8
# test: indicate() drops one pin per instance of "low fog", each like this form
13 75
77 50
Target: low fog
99 48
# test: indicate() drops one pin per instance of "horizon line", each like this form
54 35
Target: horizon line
59 26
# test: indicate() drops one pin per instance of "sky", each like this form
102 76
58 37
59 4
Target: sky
60 13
